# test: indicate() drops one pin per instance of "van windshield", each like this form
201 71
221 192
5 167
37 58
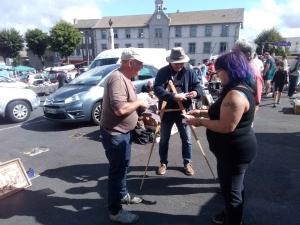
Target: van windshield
103 62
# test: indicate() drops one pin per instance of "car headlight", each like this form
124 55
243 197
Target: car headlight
75 98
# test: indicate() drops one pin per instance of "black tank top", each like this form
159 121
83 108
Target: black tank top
243 127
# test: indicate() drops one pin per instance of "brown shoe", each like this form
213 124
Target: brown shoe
162 169
188 169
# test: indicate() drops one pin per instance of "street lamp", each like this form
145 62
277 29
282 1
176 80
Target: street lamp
87 47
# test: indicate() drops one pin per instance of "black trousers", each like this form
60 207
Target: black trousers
231 177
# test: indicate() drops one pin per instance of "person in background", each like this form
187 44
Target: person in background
229 132
188 88
119 117
78 73
294 74
248 48
274 57
258 63
62 79
203 68
148 88
269 65
285 62
279 80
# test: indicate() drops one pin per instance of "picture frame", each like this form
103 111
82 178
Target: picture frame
13 178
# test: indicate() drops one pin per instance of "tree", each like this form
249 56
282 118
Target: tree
17 60
64 39
37 42
265 40
11 43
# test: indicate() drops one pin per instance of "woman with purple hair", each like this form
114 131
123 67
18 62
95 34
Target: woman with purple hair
229 131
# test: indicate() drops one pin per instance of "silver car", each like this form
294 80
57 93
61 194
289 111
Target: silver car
8 82
16 104
81 99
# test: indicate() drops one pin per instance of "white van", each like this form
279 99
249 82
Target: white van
153 56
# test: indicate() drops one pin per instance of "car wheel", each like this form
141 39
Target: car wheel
96 113
18 111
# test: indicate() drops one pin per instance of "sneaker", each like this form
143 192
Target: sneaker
274 106
188 169
219 218
278 102
124 216
162 169
131 199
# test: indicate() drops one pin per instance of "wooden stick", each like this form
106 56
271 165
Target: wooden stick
192 128
170 110
154 140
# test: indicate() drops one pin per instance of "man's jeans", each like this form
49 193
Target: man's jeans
293 84
118 152
185 135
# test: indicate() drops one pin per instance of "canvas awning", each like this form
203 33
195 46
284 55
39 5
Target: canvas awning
22 68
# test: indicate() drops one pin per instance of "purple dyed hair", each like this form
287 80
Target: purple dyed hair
237 66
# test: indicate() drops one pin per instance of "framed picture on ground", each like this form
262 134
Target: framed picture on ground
13 178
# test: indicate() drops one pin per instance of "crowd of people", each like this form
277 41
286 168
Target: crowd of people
228 121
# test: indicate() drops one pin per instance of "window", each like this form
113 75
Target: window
192 62
127 45
103 34
178 32
104 47
208 30
224 31
127 33
193 30
83 40
141 33
223 47
116 33
192 47
90 52
158 32
158 45
90 40
140 45
116 45
177 45
144 74
207 47
78 52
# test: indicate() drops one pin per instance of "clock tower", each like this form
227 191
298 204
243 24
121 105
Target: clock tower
159 6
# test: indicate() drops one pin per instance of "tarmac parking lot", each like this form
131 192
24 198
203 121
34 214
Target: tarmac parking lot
72 184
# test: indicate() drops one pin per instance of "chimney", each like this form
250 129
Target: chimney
75 21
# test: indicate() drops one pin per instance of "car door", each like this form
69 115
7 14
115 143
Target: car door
145 74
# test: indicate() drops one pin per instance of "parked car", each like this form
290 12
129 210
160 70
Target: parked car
81 99
33 79
8 82
17 104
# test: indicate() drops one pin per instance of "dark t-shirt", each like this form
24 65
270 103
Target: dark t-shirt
270 61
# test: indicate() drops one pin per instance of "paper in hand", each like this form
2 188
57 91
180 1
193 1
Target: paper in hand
186 116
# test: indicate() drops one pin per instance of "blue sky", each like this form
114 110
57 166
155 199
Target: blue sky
284 15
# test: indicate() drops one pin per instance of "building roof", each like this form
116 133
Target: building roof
125 21
207 17
180 18
86 23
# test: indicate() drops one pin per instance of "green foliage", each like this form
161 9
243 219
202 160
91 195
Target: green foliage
17 61
266 38
64 38
287 51
11 43
37 42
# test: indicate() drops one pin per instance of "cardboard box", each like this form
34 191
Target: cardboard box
296 109
149 122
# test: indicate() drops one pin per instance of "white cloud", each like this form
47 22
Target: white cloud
267 14
43 14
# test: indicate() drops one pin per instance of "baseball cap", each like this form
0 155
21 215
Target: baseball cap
131 54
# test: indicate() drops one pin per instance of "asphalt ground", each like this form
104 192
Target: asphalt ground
72 183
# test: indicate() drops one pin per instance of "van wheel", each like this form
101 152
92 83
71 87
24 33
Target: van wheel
96 113
18 111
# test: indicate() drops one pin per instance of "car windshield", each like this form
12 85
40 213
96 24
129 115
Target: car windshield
94 76
103 62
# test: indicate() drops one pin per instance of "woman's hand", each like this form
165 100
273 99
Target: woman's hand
196 113
194 121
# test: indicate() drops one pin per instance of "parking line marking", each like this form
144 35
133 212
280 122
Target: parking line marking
23 124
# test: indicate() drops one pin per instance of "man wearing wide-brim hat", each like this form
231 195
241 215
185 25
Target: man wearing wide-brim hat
188 87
